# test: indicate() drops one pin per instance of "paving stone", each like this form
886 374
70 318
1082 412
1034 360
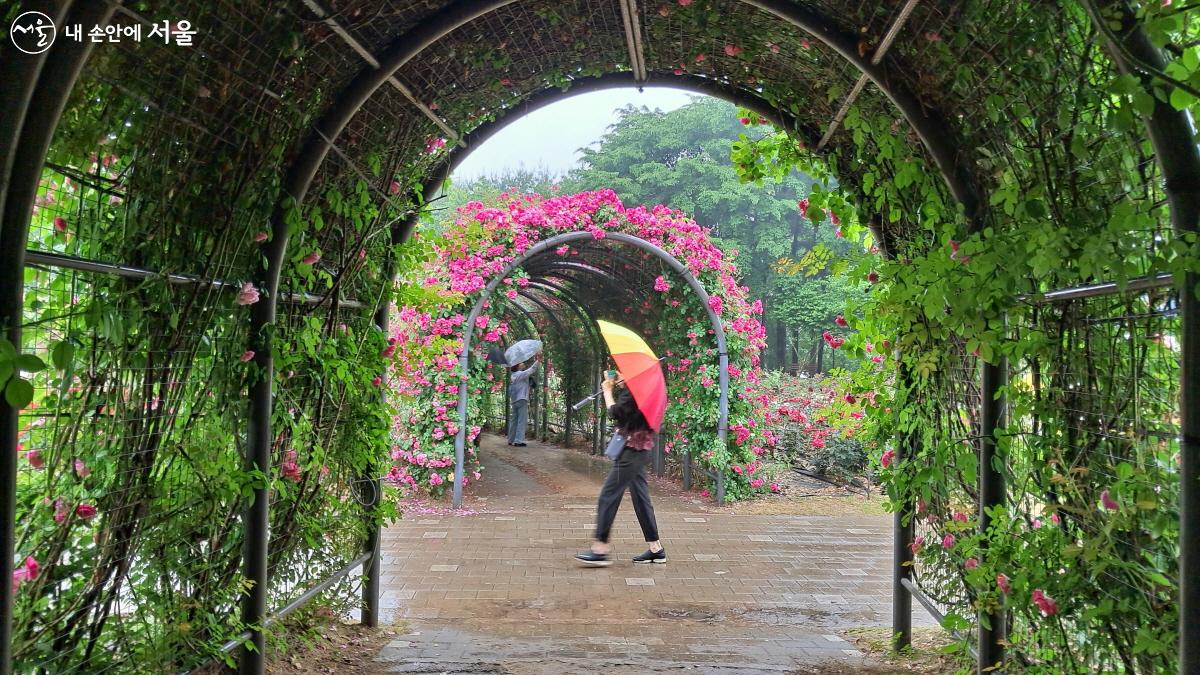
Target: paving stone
434 535
707 557
443 568
695 520
759 537
636 581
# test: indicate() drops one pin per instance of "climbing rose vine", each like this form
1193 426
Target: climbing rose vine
482 241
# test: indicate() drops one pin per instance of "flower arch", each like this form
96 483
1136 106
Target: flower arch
512 244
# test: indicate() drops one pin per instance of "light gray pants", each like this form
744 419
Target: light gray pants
517 421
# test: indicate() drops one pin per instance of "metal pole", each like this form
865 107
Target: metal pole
992 629
545 405
569 381
902 527
660 456
371 568
596 409
1171 134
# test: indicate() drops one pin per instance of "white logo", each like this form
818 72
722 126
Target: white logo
33 32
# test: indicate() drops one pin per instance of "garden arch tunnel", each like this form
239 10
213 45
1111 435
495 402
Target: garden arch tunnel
352 94
547 247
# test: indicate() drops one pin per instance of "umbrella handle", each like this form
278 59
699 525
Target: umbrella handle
585 401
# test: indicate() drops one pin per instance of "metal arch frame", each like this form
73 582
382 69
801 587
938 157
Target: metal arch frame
533 327
561 269
546 245
560 334
608 261
541 98
588 319
36 89
929 125
1171 134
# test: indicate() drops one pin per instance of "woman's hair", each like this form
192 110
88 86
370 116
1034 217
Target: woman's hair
626 414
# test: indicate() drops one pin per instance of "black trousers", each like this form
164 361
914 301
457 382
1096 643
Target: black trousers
629 471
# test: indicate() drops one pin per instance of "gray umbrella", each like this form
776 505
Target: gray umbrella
522 351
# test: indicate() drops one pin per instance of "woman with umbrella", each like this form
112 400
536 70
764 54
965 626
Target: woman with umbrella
518 387
637 410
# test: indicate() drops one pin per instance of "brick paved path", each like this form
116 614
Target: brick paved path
497 590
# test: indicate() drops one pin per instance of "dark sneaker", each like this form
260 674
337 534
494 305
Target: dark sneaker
589 559
519 445
651 557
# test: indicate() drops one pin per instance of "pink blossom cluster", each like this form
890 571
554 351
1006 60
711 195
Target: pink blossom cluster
290 468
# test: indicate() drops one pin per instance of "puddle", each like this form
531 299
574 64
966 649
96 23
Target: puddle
688 613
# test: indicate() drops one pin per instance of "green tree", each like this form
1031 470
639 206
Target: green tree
682 159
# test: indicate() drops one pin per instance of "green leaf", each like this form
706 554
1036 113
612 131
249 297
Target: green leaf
18 393
1035 208
7 350
1181 99
29 363
62 355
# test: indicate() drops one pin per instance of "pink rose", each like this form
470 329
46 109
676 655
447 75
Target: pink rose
312 258
971 563
85 511
246 355
247 295
1108 502
1002 583
1045 603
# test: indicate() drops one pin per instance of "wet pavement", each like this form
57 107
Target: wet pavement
497 590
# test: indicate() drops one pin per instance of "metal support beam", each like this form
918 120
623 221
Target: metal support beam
371 545
992 629
880 52
358 48
902 539
70 262
633 39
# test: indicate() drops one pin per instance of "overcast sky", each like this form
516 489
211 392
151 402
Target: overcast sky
551 136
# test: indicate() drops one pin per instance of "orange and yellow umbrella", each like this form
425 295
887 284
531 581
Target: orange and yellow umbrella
640 369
